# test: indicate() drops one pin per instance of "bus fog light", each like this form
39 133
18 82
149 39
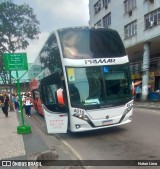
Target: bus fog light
78 126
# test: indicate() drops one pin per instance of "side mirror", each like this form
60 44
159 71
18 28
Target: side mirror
60 97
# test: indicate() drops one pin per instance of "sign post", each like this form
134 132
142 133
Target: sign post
15 62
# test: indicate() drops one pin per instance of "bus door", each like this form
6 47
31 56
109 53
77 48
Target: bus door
55 108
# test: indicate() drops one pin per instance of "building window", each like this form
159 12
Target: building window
129 5
107 20
97 6
130 29
98 23
105 3
152 19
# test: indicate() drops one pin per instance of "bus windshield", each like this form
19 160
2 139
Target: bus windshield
91 43
99 86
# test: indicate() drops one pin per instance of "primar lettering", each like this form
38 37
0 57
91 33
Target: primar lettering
99 61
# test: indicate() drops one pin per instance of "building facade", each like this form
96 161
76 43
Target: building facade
1 1
138 23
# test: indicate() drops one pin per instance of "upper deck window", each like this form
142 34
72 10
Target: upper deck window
91 43
50 55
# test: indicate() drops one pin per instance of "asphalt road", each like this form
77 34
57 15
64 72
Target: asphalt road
138 140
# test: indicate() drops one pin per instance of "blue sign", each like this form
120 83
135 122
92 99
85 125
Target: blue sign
105 69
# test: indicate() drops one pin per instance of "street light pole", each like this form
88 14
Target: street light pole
20 98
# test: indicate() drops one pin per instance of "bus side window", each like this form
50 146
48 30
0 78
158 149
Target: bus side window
50 94
50 99
49 86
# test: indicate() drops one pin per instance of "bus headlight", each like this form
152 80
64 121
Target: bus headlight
81 116
127 110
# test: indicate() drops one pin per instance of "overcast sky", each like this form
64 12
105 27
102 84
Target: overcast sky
54 14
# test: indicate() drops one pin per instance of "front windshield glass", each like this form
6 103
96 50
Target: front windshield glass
91 43
93 87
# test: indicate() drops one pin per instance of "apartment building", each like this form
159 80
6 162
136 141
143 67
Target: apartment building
138 23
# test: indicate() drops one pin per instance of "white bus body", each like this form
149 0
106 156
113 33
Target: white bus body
91 68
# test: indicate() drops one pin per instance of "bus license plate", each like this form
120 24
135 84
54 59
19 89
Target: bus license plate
109 122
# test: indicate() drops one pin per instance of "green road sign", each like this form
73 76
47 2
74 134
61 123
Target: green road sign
15 61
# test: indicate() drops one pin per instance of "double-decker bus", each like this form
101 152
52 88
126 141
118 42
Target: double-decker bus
84 80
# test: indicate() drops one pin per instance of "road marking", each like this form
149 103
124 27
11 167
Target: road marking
78 156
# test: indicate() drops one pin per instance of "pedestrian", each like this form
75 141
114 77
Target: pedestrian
27 103
5 103
17 102
138 91
14 101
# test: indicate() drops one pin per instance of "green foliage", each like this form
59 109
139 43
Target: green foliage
18 24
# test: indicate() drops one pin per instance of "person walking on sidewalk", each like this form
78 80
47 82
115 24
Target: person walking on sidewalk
15 99
138 91
5 103
27 103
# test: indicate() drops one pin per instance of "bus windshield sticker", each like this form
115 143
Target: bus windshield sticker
105 69
92 101
71 74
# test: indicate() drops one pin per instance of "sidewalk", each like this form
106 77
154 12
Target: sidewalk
15 146
11 143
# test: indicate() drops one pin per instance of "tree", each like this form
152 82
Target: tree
18 24
3 74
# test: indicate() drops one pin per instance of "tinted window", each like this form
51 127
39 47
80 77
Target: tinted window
49 94
49 85
50 55
91 43
90 87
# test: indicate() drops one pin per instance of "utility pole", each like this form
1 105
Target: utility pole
145 70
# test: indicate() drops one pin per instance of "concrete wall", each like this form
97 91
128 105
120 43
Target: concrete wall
119 19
